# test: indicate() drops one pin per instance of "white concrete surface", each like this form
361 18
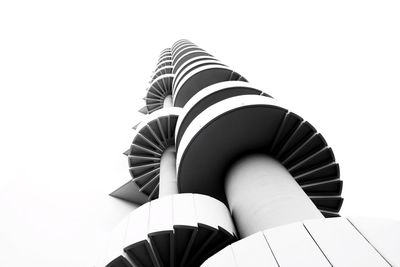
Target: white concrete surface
168 182
167 101
324 242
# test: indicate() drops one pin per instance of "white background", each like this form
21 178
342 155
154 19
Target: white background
72 75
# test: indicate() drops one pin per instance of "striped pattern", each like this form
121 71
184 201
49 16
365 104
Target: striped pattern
262 126
195 69
178 73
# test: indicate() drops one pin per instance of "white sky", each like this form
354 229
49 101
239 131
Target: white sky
72 75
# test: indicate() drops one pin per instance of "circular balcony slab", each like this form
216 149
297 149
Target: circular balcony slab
246 124
179 47
191 61
178 230
185 50
159 89
200 78
191 67
209 96
187 56
325 242
153 136
183 47
179 42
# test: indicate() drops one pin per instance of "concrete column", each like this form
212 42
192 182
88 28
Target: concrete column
167 101
262 194
168 181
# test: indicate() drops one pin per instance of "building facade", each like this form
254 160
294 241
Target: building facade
226 176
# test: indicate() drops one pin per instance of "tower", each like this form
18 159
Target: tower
226 176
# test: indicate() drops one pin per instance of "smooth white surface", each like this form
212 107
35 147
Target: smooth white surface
322 242
138 225
225 259
168 182
167 101
293 246
212 212
73 75
114 244
184 212
253 251
342 244
262 194
161 215
383 234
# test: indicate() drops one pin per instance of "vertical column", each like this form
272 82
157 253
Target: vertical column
262 194
168 182
167 101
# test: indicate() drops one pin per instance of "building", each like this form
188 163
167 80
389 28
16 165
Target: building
226 176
